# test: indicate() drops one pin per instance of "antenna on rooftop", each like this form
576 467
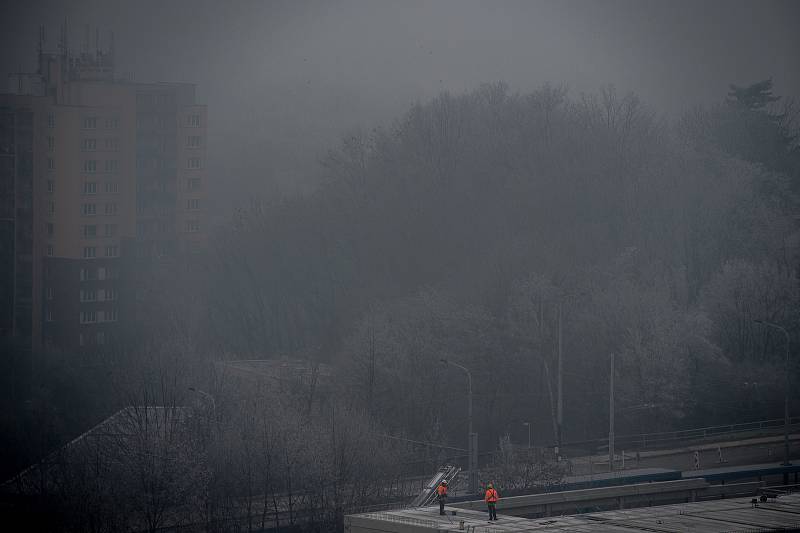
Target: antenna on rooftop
63 45
41 38
85 39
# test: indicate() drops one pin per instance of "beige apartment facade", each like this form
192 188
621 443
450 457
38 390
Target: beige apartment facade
117 174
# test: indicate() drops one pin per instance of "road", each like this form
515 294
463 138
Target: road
733 452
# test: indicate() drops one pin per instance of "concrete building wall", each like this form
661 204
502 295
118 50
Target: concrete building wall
18 218
101 164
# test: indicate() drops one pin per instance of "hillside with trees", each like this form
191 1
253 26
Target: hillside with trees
471 224
493 229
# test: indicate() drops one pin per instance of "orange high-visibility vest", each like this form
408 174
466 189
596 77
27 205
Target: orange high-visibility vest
442 490
491 496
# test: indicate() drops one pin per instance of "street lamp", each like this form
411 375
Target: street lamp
785 392
473 441
528 424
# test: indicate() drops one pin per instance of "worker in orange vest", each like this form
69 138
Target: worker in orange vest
491 501
441 495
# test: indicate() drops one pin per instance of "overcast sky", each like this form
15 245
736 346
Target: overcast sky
284 79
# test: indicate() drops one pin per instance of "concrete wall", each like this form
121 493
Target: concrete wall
554 503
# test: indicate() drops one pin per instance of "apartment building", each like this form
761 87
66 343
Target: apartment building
100 178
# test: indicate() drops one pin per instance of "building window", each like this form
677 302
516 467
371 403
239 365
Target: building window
110 315
112 251
51 120
193 163
193 184
51 208
90 166
88 274
112 187
112 273
111 165
89 145
89 187
51 163
88 317
109 230
88 295
89 252
193 121
51 142
101 337
50 229
48 315
89 232
112 123
144 99
112 144
192 226
193 204
111 208
49 293
165 99
90 123
80 339
49 250
111 295
88 210
51 186
193 141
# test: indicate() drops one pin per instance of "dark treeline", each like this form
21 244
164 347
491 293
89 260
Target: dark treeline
488 228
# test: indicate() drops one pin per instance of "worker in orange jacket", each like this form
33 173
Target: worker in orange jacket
491 501
441 495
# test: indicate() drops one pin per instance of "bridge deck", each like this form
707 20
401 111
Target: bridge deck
742 471
703 517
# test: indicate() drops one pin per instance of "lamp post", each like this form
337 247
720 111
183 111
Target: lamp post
473 441
611 418
785 393
528 424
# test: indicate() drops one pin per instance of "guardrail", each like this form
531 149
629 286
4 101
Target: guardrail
653 440
616 497
624 496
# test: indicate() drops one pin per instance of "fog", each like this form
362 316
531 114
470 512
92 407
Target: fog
269 265
284 80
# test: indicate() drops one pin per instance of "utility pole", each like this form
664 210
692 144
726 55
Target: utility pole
611 418
371 377
473 437
560 412
786 461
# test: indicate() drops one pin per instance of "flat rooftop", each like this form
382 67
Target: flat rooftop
717 516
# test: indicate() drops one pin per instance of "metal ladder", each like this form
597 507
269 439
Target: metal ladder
428 494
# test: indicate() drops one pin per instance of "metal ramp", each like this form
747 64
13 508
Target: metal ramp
428 494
